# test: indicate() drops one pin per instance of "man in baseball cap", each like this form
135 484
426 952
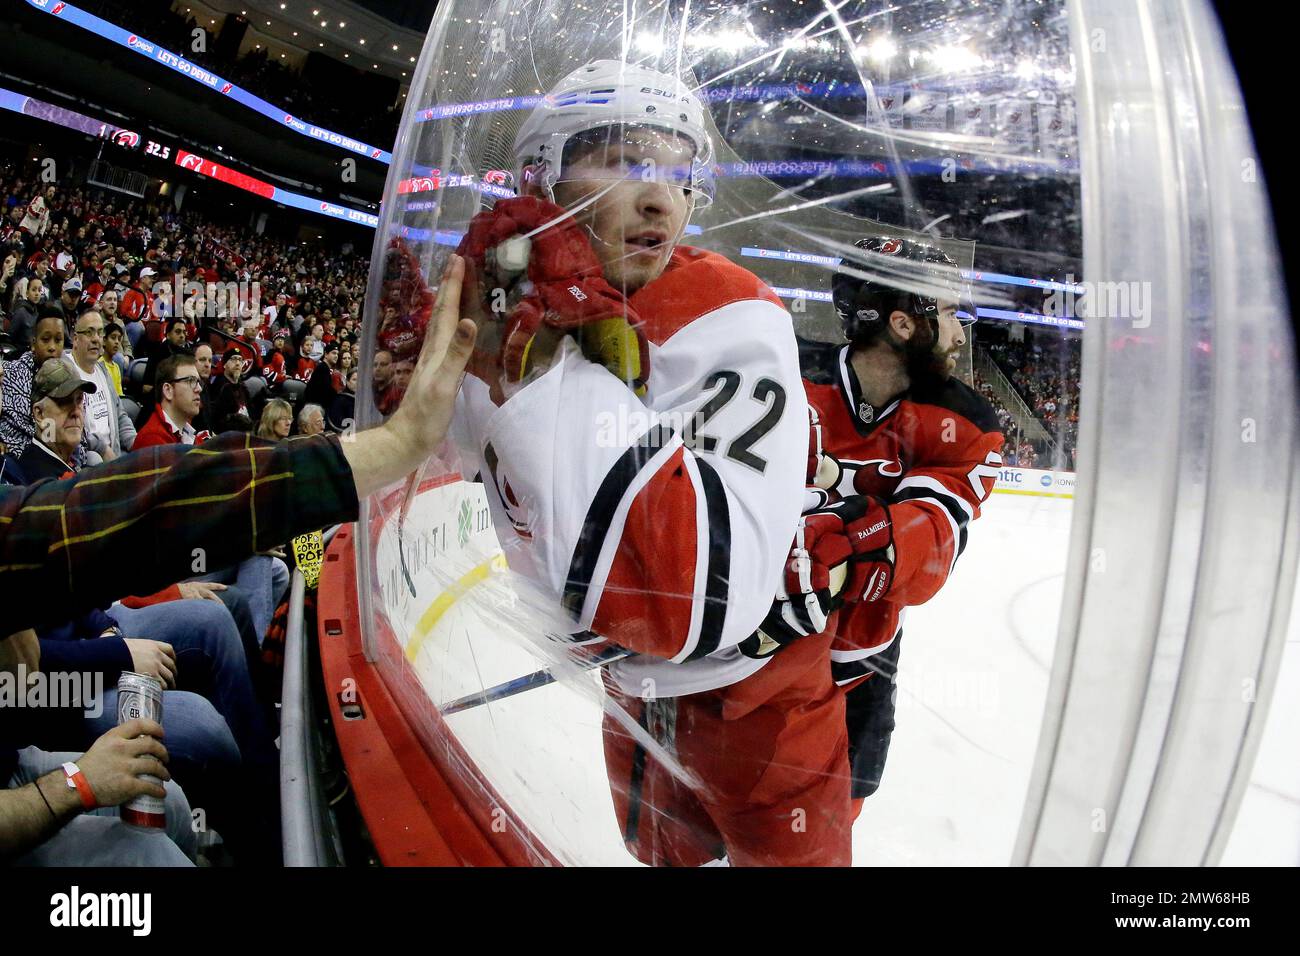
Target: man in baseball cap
70 298
58 379
57 412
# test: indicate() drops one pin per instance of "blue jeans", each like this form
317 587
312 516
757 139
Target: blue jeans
264 581
210 660
198 739
133 332
100 838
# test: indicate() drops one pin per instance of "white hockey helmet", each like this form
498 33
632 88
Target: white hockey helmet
610 93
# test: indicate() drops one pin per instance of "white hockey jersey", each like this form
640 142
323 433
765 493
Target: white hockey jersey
661 525
36 218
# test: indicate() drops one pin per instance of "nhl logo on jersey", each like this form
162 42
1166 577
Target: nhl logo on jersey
890 246
866 413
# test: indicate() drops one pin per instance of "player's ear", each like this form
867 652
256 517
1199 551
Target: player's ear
902 324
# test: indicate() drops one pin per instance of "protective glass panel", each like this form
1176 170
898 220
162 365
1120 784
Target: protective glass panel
684 223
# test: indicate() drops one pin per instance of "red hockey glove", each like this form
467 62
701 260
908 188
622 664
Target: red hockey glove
842 554
568 293
805 601
856 531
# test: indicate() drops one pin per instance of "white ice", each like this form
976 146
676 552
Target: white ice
973 677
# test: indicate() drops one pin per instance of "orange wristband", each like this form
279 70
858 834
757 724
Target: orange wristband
77 781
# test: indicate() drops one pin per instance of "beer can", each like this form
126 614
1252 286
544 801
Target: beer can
139 695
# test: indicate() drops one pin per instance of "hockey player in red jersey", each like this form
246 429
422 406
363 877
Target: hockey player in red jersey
639 423
903 458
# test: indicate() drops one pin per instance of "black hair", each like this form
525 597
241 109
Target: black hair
49 314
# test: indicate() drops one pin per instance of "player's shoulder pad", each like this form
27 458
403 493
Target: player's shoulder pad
695 283
957 396
818 361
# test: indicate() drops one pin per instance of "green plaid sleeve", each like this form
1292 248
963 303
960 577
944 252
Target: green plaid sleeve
158 516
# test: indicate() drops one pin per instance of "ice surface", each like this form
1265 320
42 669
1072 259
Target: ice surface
974 671
973 678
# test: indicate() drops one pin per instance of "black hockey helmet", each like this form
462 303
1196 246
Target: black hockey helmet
904 275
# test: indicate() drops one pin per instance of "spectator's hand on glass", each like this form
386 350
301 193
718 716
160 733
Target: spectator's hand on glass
379 456
200 590
153 659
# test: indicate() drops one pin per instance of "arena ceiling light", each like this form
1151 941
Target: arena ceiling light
955 59
650 42
728 41
881 49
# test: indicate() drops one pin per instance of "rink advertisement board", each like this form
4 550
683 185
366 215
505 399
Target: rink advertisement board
1035 481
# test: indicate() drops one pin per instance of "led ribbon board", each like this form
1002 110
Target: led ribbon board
174 61
39 109
214 170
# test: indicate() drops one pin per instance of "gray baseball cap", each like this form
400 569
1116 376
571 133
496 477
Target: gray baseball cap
58 378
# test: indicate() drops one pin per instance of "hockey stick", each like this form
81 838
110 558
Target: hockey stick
544 676
529 681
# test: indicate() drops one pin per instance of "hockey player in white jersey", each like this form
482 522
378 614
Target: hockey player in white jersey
638 419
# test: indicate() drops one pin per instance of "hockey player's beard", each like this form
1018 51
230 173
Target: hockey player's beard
926 366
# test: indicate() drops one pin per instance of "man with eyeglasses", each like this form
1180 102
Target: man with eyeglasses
180 397
109 429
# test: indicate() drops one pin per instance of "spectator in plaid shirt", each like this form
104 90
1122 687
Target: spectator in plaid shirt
59 541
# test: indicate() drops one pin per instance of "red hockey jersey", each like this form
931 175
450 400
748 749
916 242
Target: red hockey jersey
933 455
